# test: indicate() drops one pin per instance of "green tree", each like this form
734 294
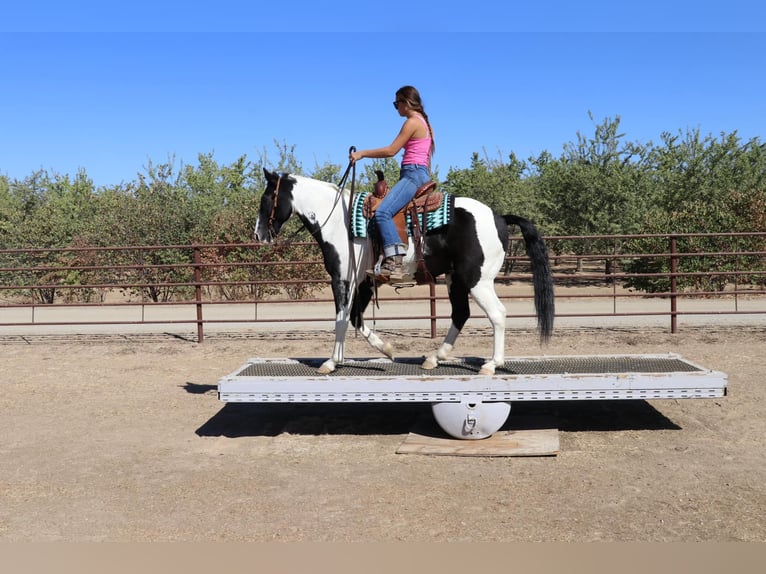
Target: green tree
500 185
328 172
703 185
286 161
49 211
368 174
596 187
221 199
11 214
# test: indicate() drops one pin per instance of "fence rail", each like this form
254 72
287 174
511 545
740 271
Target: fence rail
654 272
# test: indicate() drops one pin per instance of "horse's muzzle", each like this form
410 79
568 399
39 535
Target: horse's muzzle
261 234
262 237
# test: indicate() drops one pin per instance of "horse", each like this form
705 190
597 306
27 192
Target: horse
469 251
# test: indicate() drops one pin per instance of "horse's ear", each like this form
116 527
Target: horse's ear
270 175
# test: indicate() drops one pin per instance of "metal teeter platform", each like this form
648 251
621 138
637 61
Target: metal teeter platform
466 404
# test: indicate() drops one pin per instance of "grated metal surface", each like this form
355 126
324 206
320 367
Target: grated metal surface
580 377
470 366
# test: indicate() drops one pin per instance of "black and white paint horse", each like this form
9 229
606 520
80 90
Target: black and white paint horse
469 251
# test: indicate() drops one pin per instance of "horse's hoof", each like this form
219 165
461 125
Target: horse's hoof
327 367
487 369
430 363
388 350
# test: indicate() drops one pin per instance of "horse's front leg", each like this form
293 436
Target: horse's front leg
341 328
343 298
376 342
350 304
363 297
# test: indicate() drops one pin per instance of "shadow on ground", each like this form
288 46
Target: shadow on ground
270 419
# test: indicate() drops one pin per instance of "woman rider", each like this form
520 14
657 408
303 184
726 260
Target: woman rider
417 139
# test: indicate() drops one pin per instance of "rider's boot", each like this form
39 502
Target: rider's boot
391 269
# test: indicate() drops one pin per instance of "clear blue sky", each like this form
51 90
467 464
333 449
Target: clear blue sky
108 88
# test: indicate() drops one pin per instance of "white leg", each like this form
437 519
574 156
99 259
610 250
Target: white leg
485 296
364 258
341 327
327 367
444 351
342 293
376 342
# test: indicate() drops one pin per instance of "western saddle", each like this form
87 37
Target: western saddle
426 199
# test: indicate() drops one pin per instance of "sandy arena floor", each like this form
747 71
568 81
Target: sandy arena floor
122 438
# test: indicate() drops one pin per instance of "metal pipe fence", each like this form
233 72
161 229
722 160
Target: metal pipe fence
665 268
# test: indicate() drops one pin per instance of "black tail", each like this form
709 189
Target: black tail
542 279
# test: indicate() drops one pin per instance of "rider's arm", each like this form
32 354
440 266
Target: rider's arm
407 131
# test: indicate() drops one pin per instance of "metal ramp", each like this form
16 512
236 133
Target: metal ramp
465 403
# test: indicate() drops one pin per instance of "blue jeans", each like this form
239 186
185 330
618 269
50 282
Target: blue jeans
411 177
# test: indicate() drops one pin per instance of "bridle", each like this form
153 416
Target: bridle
272 215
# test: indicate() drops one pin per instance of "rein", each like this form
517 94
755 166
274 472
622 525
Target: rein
351 255
341 186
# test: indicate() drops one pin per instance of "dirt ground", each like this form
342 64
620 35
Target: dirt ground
122 438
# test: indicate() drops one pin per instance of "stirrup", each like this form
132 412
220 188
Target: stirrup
393 270
390 271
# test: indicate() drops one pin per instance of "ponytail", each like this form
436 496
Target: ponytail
411 95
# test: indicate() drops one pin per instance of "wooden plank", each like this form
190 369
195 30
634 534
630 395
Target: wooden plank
527 442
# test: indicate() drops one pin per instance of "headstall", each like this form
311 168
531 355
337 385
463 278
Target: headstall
274 208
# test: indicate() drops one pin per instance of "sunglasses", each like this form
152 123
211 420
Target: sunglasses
397 102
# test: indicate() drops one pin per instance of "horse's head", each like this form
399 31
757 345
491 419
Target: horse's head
276 205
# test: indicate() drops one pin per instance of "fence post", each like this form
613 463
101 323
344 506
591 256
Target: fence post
673 284
198 292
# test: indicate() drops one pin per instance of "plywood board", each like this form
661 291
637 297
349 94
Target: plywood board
528 442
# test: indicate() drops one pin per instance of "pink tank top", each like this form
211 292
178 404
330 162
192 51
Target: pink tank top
417 150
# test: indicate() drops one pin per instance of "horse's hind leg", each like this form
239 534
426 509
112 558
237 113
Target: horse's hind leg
458 296
486 297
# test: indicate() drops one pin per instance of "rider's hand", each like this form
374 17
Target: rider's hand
354 156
